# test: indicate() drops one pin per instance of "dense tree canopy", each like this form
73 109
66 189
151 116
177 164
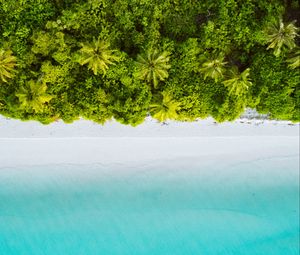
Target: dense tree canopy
127 59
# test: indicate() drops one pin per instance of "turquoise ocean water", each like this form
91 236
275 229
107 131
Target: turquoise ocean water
167 207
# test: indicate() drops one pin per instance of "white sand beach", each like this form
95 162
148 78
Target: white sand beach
85 142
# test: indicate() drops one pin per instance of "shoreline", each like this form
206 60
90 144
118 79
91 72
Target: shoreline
10 128
84 142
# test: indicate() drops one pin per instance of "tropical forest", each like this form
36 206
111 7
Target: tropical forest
126 60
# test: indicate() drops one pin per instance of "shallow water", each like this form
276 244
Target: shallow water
168 207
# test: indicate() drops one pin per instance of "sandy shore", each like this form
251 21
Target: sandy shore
84 142
150 128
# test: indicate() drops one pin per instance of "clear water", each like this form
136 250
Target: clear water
161 208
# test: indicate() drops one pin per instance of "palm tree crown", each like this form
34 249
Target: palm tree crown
97 55
7 64
166 108
280 35
237 82
153 66
214 68
33 96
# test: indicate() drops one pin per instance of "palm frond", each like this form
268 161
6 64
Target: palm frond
165 108
294 59
214 68
238 83
97 56
33 96
280 35
153 66
7 65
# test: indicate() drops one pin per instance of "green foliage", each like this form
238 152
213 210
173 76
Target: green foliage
275 87
171 59
128 97
18 19
7 64
189 55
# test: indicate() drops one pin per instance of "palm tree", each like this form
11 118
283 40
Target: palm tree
153 66
214 68
33 96
166 108
97 55
280 35
7 64
237 82
294 59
